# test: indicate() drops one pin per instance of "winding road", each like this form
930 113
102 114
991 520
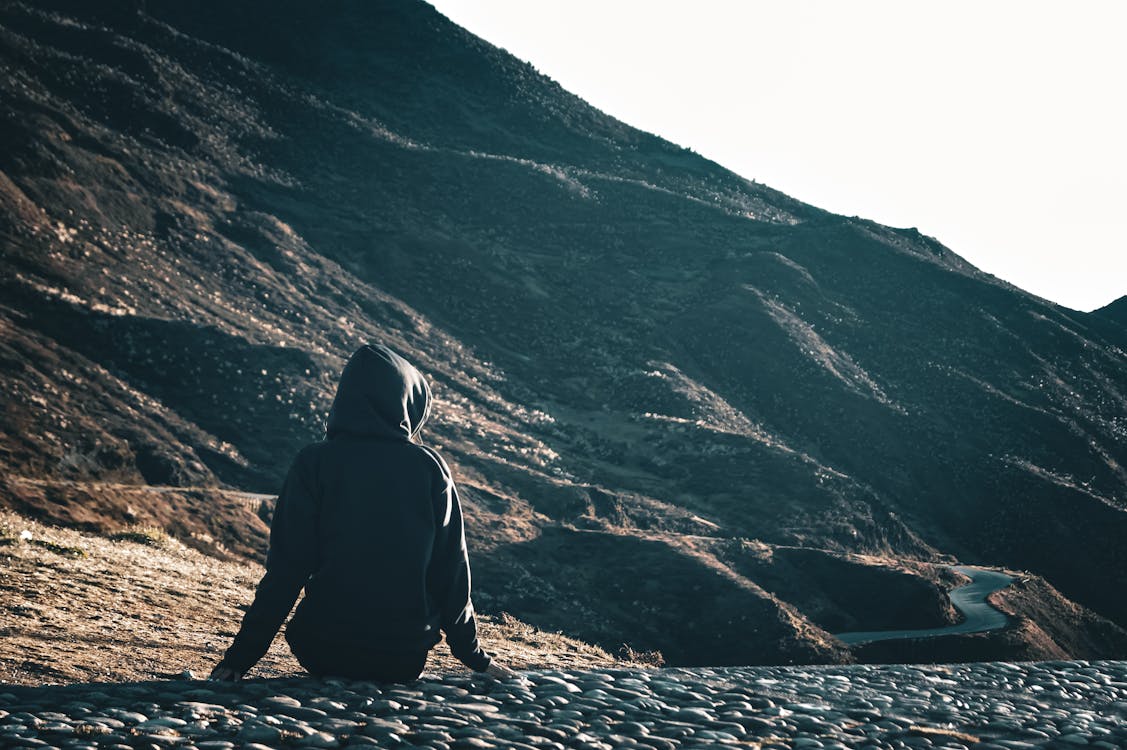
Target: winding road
969 599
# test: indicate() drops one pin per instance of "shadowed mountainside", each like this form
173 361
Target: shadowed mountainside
1116 311
739 404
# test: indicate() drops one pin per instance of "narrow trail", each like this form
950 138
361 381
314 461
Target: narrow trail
969 599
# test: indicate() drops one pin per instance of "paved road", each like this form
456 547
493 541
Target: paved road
969 599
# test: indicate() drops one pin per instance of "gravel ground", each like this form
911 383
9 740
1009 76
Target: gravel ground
989 706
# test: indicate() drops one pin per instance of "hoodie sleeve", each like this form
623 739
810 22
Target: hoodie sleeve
289 563
449 577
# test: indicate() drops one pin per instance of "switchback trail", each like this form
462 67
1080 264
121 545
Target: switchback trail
970 599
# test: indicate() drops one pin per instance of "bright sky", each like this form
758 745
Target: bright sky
997 127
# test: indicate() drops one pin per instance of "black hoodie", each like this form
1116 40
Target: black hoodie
370 524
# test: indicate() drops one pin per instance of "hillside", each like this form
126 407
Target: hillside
74 603
763 417
1114 311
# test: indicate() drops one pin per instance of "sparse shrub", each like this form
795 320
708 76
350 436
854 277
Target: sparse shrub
648 658
58 549
150 536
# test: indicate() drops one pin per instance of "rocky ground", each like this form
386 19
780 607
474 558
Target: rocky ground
995 706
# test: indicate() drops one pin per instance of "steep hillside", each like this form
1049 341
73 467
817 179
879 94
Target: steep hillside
205 207
1115 311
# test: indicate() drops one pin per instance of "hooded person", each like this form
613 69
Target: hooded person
369 523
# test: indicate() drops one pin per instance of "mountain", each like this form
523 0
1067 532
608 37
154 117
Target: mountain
1116 311
769 422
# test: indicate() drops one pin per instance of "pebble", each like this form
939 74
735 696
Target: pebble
888 707
131 717
263 733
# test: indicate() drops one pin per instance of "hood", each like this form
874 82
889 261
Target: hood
380 394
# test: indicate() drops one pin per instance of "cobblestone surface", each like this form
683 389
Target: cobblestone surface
989 706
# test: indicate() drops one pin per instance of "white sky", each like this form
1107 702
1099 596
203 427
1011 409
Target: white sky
997 127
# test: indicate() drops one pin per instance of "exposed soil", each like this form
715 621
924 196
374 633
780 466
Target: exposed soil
1057 625
222 523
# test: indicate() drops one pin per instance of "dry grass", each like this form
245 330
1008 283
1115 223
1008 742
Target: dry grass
649 658
80 607
150 536
222 523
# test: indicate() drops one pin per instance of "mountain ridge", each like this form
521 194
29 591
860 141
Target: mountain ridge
1116 310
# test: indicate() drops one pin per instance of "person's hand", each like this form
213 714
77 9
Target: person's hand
223 673
501 672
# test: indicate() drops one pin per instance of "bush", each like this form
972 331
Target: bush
648 658
58 549
150 536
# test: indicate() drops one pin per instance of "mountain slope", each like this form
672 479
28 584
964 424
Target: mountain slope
1114 311
205 207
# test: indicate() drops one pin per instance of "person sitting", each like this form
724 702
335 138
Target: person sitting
369 523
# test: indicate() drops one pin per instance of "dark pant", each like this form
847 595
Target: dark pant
328 659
